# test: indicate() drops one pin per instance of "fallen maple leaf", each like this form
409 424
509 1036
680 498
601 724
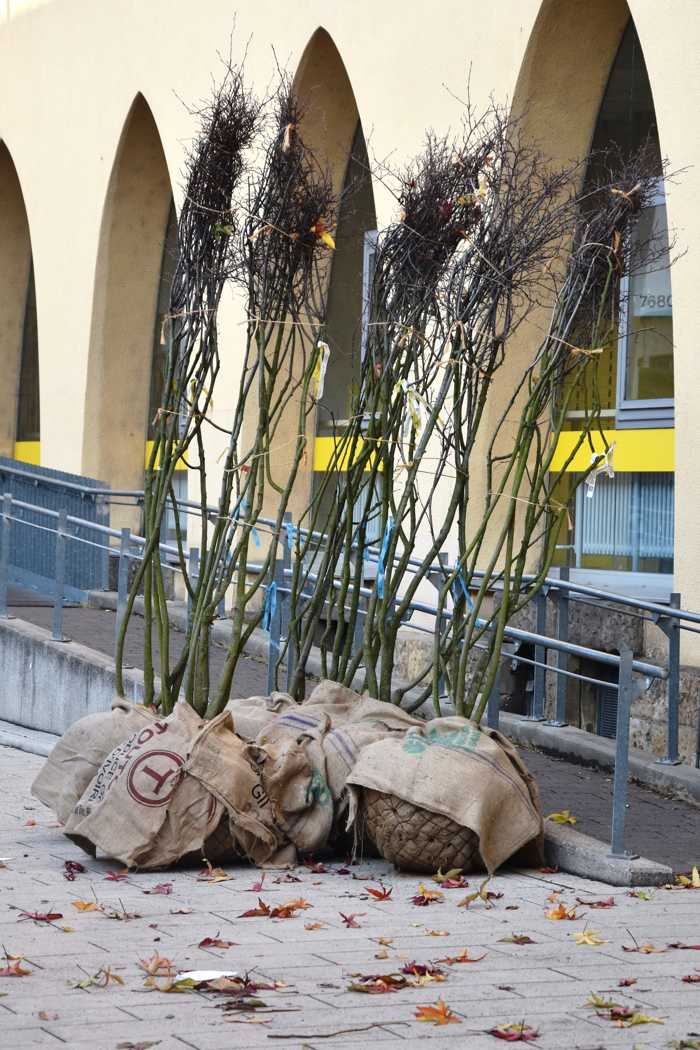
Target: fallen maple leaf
423 970
517 938
215 942
608 902
385 940
562 912
426 896
288 910
641 895
287 877
382 894
622 1017
316 868
463 957
181 911
550 871
71 869
626 982
44 1015
14 969
85 905
600 1003
564 817
314 925
40 916
349 920
120 916
162 887
257 886
691 978
210 874
554 896
680 945
438 933
515 1032
378 983
453 873
691 882
101 979
483 894
30 823
438 1014
262 909
591 937
117 876
644 949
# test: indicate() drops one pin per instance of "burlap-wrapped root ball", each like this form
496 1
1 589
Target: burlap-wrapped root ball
416 839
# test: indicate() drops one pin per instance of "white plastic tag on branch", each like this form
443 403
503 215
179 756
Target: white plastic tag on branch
319 373
414 410
603 466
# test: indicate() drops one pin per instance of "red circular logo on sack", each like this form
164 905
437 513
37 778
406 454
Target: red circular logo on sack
153 777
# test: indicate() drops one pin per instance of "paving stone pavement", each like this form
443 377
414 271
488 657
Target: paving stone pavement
545 984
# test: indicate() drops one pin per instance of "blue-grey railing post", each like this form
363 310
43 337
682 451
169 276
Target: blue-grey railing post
193 573
275 624
60 576
122 581
672 629
5 526
625 696
437 578
562 602
102 515
540 682
286 600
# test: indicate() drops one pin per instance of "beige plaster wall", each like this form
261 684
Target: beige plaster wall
70 71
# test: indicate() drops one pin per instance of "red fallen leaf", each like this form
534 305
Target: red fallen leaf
516 1032
316 868
683 947
262 909
31 823
289 910
626 982
350 920
14 969
517 938
41 916
454 884
215 942
550 871
691 978
257 886
162 887
72 868
618 1013
287 877
342 871
463 957
438 1014
382 894
117 876
424 897
378 983
608 902
415 969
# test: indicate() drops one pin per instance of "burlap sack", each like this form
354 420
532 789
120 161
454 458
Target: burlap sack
308 751
252 713
80 752
470 774
162 792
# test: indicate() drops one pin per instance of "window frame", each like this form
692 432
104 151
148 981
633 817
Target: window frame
638 413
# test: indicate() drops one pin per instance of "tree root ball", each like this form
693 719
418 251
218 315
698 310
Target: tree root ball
415 839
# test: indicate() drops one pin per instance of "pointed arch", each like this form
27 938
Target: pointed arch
19 363
128 274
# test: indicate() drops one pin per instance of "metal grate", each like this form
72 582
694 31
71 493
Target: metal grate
607 712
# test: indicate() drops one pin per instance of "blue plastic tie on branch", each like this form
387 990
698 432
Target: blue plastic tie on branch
381 564
269 606
256 536
292 533
463 586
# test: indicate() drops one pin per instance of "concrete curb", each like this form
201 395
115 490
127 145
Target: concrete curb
578 854
33 741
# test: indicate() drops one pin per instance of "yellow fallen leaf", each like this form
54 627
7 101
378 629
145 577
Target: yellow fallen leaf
85 905
588 937
564 817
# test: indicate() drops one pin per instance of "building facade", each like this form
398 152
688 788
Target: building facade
93 130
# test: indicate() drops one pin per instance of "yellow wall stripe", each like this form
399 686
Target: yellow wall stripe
28 452
641 451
